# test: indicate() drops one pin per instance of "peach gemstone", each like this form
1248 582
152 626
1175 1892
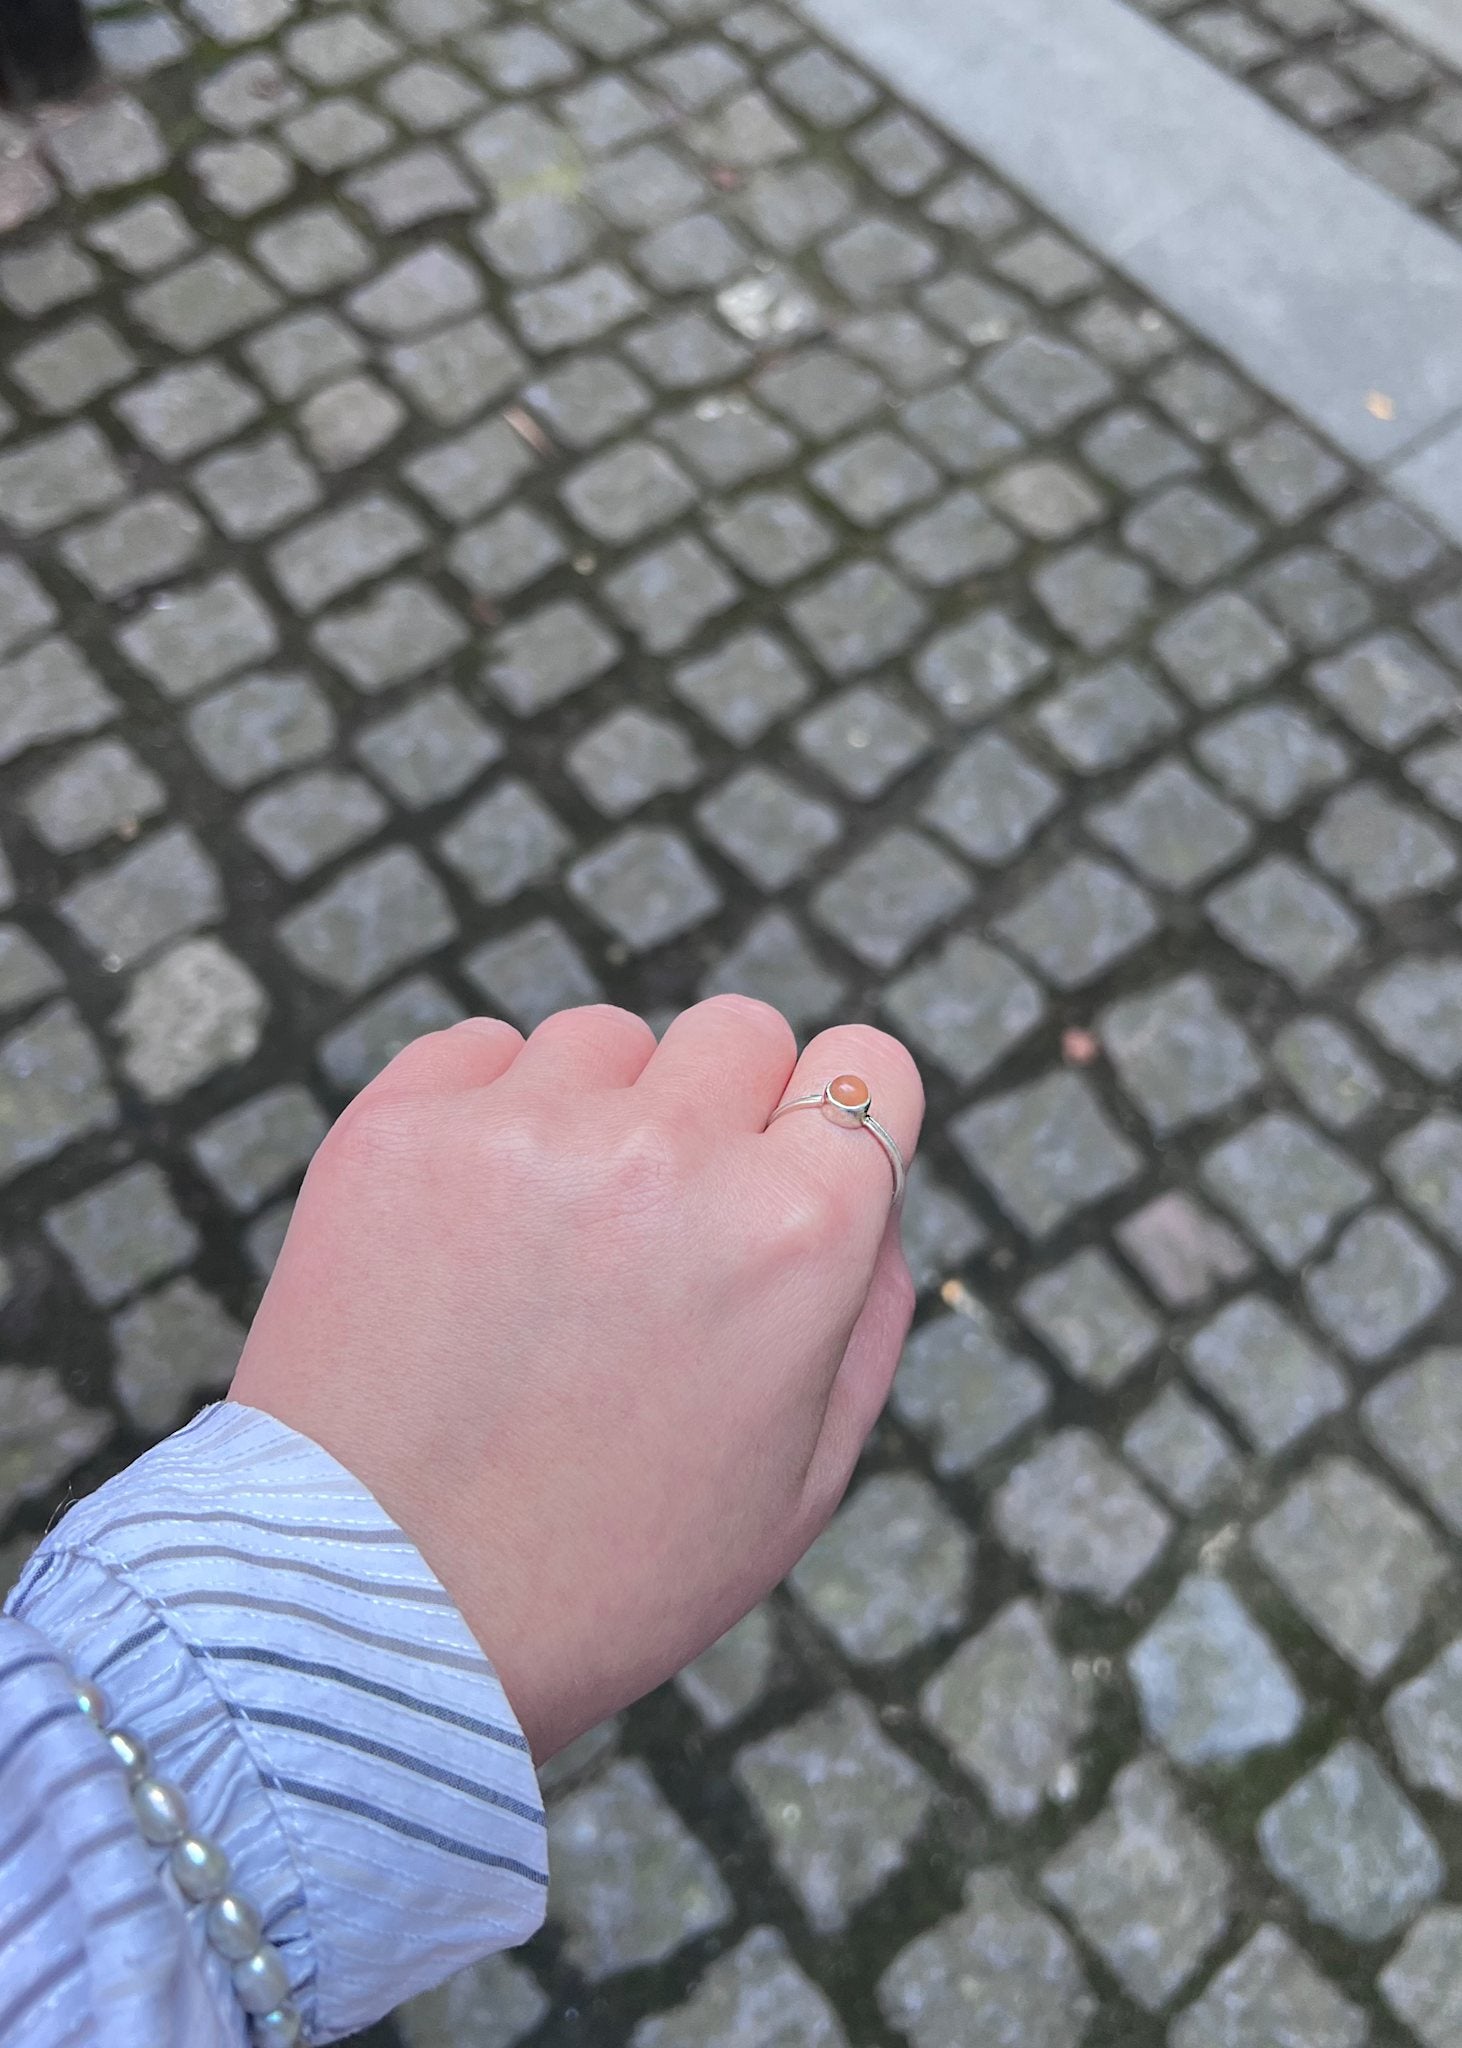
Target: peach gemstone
848 1091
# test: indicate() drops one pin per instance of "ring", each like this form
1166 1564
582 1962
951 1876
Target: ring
847 1101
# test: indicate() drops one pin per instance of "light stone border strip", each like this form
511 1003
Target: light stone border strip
1328 291
1435 24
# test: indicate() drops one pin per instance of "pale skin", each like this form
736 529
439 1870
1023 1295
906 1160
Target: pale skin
604 1346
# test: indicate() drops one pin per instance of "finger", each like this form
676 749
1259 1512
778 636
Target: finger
722 1064
598 1046
472 1054
846 1163
861 1386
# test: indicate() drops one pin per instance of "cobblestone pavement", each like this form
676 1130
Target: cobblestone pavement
511 504
1392 109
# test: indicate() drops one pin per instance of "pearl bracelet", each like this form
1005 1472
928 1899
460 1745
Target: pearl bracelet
201 1871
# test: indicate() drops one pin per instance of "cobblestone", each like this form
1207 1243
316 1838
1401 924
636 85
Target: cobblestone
1270 1991
252 728
1091 1319
1380 850
756 1988
1381 1283
1358 1564
1007 1707
122 1233
1424 1721
1046 1151
967 1007
1282 916
55 477
1328 1071
172 1345
1047 384
381 913
617 1824
888 896
1413 1417
1386 689
744 687
1211 1686
1348 1843
1081 921
1416 1010
729 1678
1172 827
1085 1523
251 1152
963 1386
863 740
106 146
49 693
1420 1984
646 886
991 800
25 609
357 1050
1181 1449
46 1434
494 2004
1272 758
53 1089
189 1013
1146 1886
1107 717
26 973
1179 1053
1285 1184
840 1805
891 1572
998 1968
1221 648
430 427
1265 1372
301 824
979 666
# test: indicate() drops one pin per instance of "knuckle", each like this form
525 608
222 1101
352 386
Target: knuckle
590 1020
495 1030
765 1016
379 1132
414 1062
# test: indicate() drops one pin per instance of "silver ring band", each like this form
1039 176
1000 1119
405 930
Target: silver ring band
846 1101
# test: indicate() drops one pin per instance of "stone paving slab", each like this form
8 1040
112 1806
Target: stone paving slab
1432 23
512 504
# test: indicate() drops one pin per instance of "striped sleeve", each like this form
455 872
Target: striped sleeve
301 1674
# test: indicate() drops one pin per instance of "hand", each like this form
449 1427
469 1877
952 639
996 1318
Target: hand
603 1345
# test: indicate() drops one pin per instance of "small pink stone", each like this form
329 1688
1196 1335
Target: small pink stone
848 1091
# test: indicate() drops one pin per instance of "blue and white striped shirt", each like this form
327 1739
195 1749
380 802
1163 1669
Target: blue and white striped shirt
306 1681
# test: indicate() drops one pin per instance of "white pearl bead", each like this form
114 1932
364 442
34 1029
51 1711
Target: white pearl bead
131 1753
161 1813
92 1701
262 1981
281 2028
199 1867
235 1929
